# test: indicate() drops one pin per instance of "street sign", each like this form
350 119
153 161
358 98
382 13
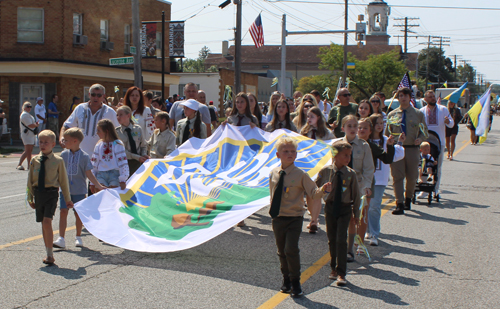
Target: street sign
121 61
133 50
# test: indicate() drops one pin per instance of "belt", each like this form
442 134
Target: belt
48 189
411 146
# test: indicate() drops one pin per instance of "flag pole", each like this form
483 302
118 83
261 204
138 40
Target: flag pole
392 100
282 81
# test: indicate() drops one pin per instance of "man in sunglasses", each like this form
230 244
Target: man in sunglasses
86 115
338 112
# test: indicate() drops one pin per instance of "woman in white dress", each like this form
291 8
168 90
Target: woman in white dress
142 114
27 124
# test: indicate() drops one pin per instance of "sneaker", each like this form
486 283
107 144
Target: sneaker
20 168
367 236
399 209
360 251
296 289
78 241
59 243
287 286
333 275
422 195
341 281
374 242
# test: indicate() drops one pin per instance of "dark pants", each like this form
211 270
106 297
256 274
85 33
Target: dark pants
336 230
287 233
45 203
407 168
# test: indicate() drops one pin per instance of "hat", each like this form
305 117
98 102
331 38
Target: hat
76 98
192 104
39 98
1 101
211 102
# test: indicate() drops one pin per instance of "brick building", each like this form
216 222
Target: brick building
63 47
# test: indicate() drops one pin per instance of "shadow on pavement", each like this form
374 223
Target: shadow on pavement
425 216
308 303
69 274
386 297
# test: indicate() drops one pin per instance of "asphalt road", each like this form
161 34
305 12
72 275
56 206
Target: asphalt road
442 256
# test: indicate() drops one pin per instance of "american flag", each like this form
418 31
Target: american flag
405 83
257 32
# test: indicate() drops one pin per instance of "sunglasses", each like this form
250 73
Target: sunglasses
96 94
308 100
346 95
308 106
29 106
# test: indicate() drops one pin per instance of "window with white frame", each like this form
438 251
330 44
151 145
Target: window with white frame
30 25
127 39
77 23
104 30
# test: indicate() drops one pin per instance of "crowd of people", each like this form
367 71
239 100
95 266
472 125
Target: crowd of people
105 143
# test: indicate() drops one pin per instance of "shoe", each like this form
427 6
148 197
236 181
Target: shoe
287 286
296 289
350 257
422 195
241 224
341 281
78 242
374 242
367 236
59 243
313 228
49 260
430 179
407 204
360 251
399 209
20 168
333 275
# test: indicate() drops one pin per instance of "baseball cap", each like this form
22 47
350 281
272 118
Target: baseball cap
192 104
39 98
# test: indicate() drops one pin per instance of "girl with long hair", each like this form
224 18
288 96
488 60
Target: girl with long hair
281 119
315 127
451 133
142 114
365 109
255 110
308 101
191 126
273 99
241 114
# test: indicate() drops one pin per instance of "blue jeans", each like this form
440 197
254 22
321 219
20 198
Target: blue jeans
374 212
75 198
108 178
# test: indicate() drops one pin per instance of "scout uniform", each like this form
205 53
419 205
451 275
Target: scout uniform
340 112
339 212
362 162
242 120
181 126
412 122
314 134
161 144
45 192
280 125
132 137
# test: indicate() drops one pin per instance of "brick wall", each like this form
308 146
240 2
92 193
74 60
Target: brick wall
58 29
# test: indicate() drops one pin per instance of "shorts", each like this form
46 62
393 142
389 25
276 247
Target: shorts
74 198
45 203
451 131
108 178
28 139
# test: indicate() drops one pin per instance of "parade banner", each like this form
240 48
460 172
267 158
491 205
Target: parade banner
148 39
176 39
202 189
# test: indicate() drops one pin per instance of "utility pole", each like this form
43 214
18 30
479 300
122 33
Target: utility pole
344 70
163 57
455 64
407 28
136 30
237 49
282 80
443 41
446 40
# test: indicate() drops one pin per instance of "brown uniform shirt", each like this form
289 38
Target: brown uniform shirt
414 119
137 135
161 144
362 162
350 189
297 182
55 175
245 121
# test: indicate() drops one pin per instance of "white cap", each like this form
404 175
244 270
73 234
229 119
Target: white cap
39 98
191 103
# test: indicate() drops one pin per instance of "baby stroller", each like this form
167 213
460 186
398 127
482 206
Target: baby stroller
429 187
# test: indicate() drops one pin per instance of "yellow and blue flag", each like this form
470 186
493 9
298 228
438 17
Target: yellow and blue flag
202 189
445 85
480 116
457 94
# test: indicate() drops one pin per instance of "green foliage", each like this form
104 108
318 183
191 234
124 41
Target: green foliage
319 82
377 73
198 65
466 73
440 68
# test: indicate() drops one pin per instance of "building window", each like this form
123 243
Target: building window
30 25
127 39
104 30
77 23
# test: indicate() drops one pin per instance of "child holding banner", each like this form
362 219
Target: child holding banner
287 185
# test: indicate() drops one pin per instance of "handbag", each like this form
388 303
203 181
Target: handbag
35 130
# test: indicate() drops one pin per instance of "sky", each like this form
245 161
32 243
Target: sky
471 26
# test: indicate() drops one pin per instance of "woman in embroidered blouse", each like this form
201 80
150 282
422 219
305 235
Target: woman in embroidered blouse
142 114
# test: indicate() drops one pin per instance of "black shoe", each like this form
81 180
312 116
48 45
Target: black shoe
399 209
296 289
407 204
287 286
350 257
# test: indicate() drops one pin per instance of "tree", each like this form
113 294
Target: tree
316 82
381 72
435 66
198 65
466 73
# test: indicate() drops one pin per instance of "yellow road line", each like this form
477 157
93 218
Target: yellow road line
313 269
461 148
30 239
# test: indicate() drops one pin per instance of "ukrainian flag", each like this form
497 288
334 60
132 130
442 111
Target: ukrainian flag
455 95
480 116
445 85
